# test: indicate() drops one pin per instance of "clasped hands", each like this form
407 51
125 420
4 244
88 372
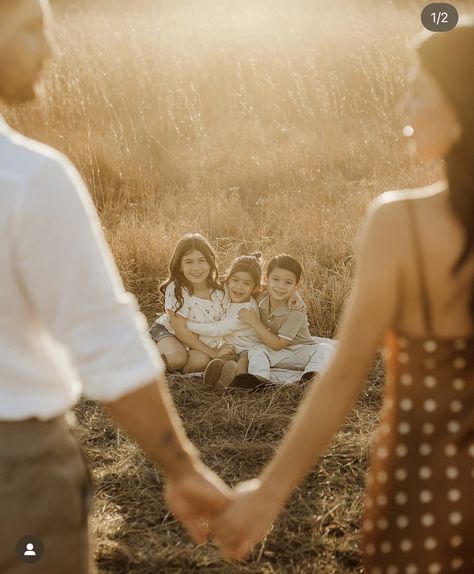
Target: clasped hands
235 519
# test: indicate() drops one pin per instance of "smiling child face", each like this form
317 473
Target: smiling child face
241 286
195 268
281 284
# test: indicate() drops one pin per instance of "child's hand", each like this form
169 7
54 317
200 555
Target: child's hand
225 350
249 317
296 303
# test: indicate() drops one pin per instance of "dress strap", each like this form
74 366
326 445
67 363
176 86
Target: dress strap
420 265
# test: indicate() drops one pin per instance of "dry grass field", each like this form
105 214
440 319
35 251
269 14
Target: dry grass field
262 124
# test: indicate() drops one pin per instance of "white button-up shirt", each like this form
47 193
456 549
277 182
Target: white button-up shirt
66 323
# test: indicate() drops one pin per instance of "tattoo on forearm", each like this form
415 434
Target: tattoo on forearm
168 440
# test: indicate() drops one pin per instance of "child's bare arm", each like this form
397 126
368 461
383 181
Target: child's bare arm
226 326
252 318
187 337
296 303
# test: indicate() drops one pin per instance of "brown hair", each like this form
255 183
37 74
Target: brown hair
188 243
449 58
251 265
286 262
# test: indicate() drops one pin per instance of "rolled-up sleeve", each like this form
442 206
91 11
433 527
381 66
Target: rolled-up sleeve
291 324
69 276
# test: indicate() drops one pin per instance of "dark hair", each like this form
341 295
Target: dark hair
449 58
251 265
285 262
188 243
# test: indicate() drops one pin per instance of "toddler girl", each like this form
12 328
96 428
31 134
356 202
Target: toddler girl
242 283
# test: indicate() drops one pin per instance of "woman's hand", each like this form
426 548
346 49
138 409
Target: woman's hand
249 317
196 498
246 520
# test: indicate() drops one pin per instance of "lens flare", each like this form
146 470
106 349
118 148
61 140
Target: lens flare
408 131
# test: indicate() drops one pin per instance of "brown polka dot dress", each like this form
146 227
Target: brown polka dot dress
419 506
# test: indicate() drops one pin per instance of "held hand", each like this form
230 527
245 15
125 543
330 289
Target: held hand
296 303
246 520
195 499
214 353
226 349
249 317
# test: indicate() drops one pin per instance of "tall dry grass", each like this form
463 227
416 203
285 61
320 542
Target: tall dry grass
263 125
260 126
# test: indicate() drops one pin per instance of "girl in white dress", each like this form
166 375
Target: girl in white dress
192 292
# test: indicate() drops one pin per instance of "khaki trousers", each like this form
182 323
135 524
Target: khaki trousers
312 358
45 491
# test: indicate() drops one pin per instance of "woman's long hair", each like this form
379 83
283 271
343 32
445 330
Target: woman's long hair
187 243
449 58
460 173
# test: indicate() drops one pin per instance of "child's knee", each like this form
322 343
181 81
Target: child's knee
196 362
175 360
258 351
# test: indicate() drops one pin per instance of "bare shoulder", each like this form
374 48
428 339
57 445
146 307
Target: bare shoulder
384 216
387 212
391 201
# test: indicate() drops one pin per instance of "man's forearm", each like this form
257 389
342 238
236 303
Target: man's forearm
317 420
148 416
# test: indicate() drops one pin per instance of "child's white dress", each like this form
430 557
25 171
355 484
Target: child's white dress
196 310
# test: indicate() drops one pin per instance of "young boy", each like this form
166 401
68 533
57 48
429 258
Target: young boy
286 340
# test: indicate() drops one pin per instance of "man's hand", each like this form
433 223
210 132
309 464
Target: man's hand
193 493
196 498
246 520
249 317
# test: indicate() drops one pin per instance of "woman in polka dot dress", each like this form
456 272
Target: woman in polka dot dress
413 292
419 513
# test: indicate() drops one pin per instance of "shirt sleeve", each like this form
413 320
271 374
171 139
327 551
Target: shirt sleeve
171 302
68 274
291 324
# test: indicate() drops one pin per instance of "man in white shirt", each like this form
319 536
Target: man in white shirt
67 326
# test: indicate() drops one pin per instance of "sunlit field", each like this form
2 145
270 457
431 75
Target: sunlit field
264 125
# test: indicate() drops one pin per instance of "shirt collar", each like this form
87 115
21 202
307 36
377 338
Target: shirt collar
265 305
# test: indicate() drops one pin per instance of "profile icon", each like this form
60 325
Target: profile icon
29 548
